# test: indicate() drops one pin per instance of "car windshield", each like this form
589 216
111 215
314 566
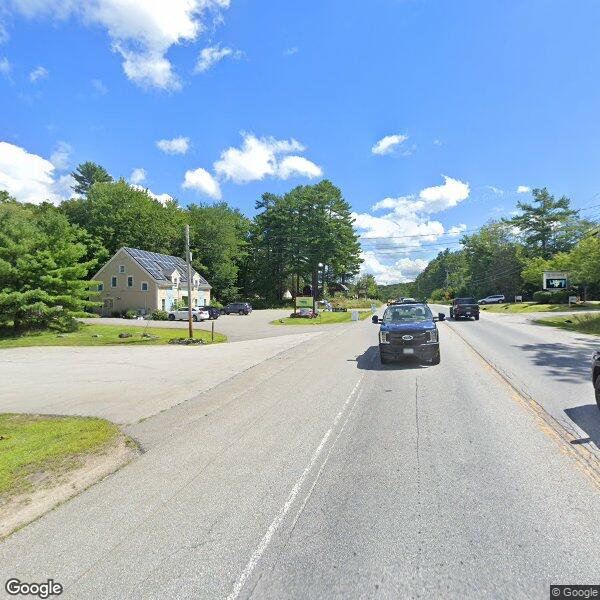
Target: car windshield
407 313
465 301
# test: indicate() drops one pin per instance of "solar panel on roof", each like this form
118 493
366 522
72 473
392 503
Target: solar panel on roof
160 266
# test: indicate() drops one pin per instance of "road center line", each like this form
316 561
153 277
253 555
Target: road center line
278 520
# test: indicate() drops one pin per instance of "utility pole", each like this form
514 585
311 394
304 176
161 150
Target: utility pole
188 260
447 277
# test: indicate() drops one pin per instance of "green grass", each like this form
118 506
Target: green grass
579 323
525 307
109 336
34 444
324 318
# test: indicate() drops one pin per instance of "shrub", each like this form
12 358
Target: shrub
130 314
159 315
215 303
553 297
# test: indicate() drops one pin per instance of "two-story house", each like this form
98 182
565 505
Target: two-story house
145 281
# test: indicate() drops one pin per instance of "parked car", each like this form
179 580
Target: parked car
596 375
494 299
464 308
182 314
213 312
304 313
408 330
241 308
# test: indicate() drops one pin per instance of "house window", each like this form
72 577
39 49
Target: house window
121 268
144 286
100 287
113 282
130 281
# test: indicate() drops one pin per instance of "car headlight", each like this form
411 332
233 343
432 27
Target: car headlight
383 337
433 335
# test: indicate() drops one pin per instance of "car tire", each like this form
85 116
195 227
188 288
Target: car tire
597 390
171 317
384 360
477 317
435 359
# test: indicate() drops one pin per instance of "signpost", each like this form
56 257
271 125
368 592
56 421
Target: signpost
573 300
555 280
518 298
304 301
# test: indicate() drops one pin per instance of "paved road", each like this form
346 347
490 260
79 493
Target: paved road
547 364
322 474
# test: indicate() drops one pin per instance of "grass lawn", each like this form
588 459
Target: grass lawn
324 318
525 307
34 444
108 336
580 323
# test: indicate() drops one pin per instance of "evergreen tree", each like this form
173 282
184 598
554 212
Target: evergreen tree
87 174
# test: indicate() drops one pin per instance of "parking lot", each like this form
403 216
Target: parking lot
237 328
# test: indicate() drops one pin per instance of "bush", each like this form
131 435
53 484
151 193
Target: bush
553 297
130 314
215 303
341 302
159 315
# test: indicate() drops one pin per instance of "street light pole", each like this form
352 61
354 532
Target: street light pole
188 260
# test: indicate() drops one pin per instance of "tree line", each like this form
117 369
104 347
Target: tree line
508 256
304 238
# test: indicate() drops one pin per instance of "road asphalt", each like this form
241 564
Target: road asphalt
550 365
321 473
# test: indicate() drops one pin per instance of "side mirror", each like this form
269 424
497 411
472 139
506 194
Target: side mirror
441 316
375 319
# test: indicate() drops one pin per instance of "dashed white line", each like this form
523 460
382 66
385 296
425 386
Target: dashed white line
278 520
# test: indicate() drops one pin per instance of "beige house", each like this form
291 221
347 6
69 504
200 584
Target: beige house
145 281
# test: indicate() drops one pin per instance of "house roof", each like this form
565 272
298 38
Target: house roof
161 266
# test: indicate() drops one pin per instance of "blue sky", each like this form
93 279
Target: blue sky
491 94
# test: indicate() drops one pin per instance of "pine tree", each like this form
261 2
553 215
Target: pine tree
88 173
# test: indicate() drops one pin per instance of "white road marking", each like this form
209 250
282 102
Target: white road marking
278 520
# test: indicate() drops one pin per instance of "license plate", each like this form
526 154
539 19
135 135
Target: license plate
468 314
408 350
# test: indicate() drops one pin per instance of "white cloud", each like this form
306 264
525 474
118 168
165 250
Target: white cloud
37 74
406 227
5 67
437 142
142 32
203 182
29 177
441 197
291 51
210 56
523 189
261 157
298 166
99 86
402 270
162 198
456 230
178 145
388 144
61 157
137 176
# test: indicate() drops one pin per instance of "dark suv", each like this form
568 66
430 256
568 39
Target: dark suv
241 308
408 330
464 308
213 312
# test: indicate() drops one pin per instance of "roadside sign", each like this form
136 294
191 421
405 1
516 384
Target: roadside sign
304 301
554 280
518 298
373 308
573 300
355 315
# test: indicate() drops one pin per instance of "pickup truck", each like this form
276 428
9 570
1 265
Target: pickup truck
464 308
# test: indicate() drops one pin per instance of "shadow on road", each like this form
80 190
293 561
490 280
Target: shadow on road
587 418
563 362
369 361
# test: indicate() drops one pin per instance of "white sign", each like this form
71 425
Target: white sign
573 300
518 298
354 315
555 280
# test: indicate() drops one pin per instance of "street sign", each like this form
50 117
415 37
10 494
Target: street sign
573 300
304 301
554 280
518 298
